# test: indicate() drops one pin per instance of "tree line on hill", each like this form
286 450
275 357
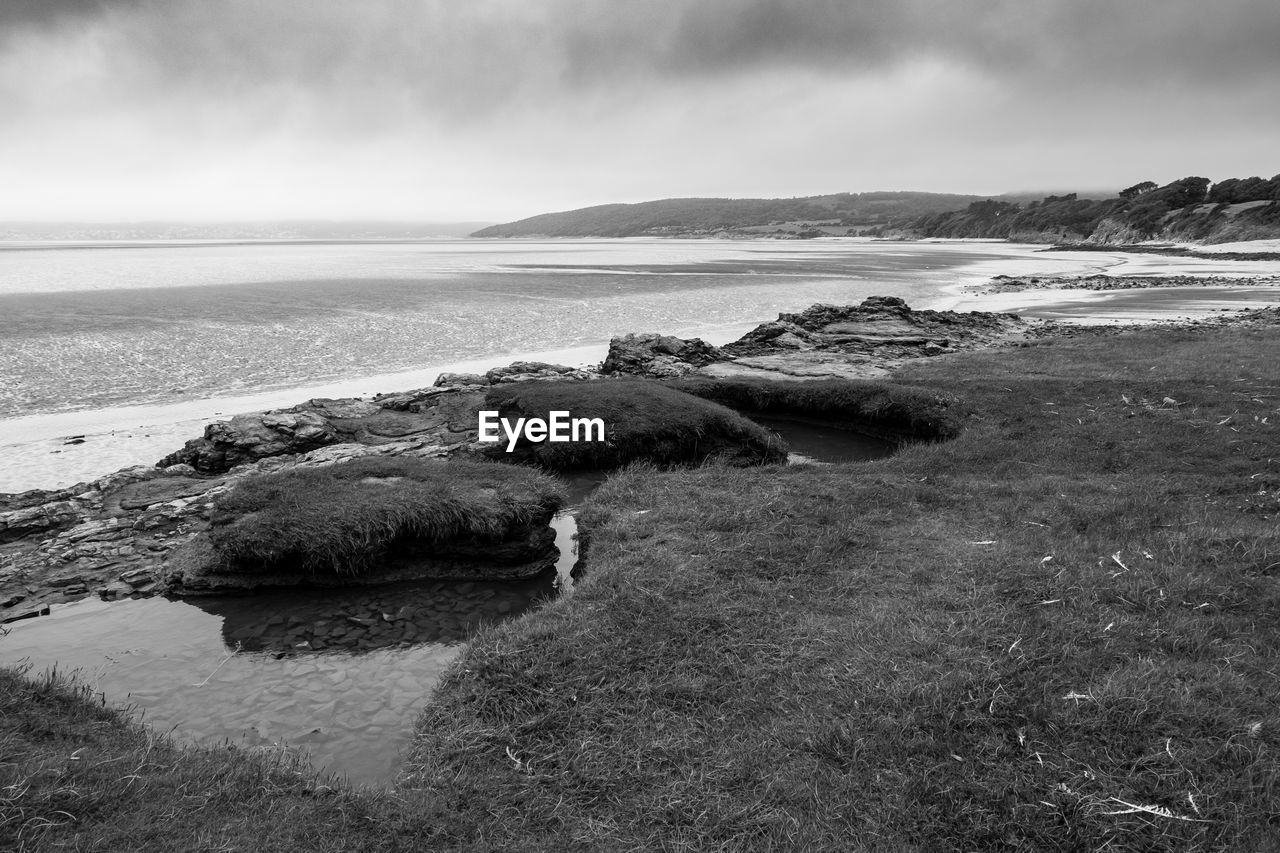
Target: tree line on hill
1189 209
706 216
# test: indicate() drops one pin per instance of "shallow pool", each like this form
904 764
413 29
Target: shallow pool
340 673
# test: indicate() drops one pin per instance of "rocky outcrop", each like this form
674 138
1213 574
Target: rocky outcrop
824 341
43 518
517 371
138 531
658 356
883 327
440 416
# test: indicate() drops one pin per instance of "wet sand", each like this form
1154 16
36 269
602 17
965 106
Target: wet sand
1139 305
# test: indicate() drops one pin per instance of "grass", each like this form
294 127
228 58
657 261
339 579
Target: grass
940 651
644 420
899 411
342 519
1060 631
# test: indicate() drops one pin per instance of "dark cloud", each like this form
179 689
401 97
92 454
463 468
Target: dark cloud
1073 39
15 14
467 58
587 100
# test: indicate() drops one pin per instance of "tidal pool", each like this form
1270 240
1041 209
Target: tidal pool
815 440
338 673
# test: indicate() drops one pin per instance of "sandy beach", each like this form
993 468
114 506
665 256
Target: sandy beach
1140 305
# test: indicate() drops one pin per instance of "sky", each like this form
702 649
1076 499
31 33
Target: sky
491 110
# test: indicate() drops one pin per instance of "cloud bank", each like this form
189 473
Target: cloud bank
497 108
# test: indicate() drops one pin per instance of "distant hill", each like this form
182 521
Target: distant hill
1186 210
839 214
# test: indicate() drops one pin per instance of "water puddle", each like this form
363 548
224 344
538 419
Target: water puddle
812 440
339 673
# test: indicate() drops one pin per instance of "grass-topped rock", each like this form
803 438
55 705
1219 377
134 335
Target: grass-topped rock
378 519
883 409
643 420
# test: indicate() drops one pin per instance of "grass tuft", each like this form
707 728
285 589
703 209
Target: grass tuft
343 519
644 420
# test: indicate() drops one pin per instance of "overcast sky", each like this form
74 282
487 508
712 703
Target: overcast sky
497 109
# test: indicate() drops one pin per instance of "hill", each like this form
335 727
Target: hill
1186 210
839 214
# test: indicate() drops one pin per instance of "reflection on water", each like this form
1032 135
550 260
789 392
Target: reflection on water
368 618
340 673
352 711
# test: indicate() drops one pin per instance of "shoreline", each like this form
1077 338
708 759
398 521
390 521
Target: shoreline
109 439
56 450
1039 302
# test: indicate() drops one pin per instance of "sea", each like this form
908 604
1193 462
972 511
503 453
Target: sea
113 354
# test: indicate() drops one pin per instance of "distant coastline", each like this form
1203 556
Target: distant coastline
1188 210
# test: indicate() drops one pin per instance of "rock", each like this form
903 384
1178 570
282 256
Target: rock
124 477
437 416
416 400
344 408
39 520
517 371
145 493
137 577
248 438
859 341
657 356
114 590
10 501
521 371
799 366
461 380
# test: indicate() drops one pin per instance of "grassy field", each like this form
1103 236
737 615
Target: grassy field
1059 631
643 420
341 519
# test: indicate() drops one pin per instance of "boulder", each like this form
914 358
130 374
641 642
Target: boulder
517 371
884 328
248 438
433 416
461 380
658 356
524 371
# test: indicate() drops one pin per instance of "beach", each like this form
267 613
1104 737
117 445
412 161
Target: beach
734 292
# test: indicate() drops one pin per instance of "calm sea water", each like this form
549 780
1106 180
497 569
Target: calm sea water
114 355
89 327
